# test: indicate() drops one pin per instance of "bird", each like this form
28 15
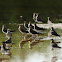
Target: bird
34 17
30 25
8 34
53 32
4 29
26 25
38 28
38 19
22 30
8 43
49 21
54 44
33 31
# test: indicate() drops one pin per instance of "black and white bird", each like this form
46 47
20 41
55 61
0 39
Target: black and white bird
38 28
26 25
33 31
8 34
53 32
4 29
54 44
30 25
22 30
49 21
38 19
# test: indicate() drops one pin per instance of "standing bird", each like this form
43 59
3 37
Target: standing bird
53 32
26 25
4 29
8 34
30 25
33 31
38 28
54 44
49 21
38 19
22 30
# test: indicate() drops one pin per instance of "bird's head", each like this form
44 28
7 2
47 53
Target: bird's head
49 18
3 25
37 14
29 22
8 30
52 41
52 28
20 25
34 14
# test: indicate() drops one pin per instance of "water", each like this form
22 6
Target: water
40 52
11 10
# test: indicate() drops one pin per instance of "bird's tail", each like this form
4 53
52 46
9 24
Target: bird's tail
3 42
59 47
58 35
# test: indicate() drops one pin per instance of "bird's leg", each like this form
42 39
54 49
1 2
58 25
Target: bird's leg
30 45
36 37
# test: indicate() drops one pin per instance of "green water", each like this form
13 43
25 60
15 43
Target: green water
10 12
39 52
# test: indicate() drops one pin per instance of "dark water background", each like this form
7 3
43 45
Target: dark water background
10 10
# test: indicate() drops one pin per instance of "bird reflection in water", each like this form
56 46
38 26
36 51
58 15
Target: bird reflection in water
4 59
5 51
27 38
35 42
